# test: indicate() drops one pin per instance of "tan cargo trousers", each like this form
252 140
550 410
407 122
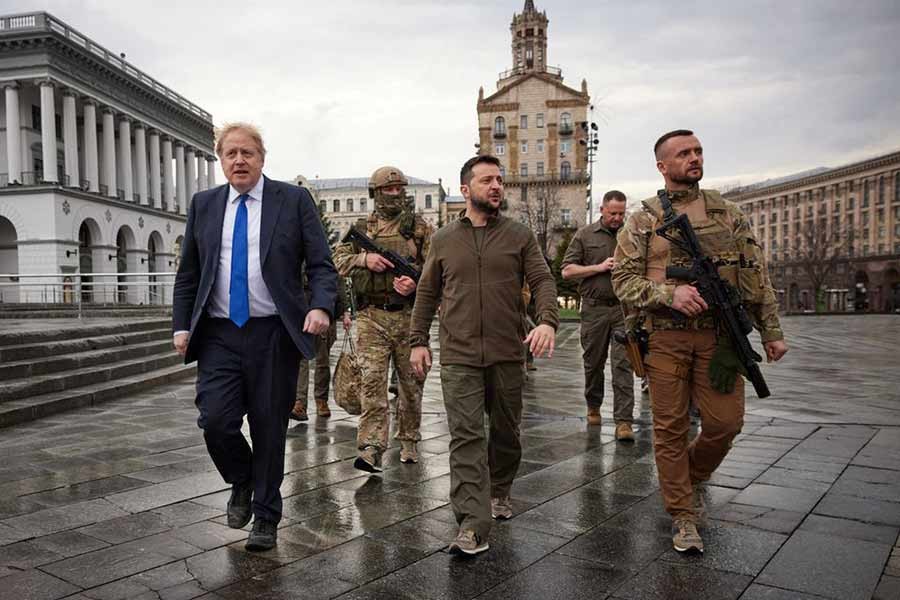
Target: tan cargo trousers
482 468
677 366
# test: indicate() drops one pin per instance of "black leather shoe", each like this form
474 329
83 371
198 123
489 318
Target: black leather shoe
263 536
239 505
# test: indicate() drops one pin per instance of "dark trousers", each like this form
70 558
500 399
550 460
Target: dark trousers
252 371
598 320
482 468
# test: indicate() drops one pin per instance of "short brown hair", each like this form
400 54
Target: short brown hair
465 174
613 195
666 136
248 128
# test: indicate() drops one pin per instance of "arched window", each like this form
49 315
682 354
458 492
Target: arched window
565 170
500 126
565 120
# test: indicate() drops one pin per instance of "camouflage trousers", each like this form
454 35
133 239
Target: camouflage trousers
382 335
324 342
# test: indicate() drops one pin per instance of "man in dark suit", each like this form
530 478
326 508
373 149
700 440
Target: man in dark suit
240 311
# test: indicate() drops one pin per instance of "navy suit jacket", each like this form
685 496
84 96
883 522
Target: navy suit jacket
290 233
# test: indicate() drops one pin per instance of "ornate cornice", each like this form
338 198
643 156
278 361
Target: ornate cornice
572 103
485 107
69 62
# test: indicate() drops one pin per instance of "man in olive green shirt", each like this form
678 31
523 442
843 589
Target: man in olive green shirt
589 259
475 270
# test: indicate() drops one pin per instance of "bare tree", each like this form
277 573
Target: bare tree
817 249
540 210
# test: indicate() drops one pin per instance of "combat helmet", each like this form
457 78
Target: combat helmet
384 177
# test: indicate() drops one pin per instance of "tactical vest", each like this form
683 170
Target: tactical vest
713 225
379 287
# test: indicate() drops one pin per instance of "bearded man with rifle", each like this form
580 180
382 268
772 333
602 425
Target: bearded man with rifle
692 282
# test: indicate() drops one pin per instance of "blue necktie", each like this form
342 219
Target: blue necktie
239 294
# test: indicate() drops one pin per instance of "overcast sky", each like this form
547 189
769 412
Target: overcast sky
342 87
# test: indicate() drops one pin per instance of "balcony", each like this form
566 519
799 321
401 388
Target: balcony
565 129
500 134
571 176
552 71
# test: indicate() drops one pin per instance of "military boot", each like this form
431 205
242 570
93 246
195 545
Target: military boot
624 432
593 416
685 537
322 409
369 460
408 452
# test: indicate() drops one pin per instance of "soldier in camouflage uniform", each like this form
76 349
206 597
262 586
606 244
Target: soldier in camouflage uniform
384 302
688 358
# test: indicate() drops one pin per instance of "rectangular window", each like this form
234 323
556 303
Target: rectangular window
36 117
762 219
523 122
336 205
322 206
500 149
540 146
524 147
774 217
523 169
539 118
427 201
565 217
565 146
540 168
364 204
349 204
851 203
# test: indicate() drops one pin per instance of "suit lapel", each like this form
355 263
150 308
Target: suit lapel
217 217
271 206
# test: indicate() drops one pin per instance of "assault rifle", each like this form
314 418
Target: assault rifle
724 300
402 267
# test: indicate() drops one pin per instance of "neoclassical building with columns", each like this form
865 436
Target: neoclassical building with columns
98 162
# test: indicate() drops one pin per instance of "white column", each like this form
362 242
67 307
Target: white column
48 131
70 138
168 179
190 177
109 153
125 172
155 180
92 172
140 162
211 171
180 196
202 182
13 133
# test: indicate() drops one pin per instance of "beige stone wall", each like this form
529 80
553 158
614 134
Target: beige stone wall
778 213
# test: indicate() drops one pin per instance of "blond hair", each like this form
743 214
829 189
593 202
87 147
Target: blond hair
248 128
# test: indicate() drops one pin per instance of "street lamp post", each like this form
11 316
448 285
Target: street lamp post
590 140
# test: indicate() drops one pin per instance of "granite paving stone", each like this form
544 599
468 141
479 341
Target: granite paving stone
121 499
663 580
826 565
34 585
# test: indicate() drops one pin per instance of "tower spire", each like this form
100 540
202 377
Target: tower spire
529 6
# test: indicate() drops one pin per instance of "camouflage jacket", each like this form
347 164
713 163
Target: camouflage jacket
644 298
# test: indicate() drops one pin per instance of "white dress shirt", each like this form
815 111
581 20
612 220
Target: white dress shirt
261 303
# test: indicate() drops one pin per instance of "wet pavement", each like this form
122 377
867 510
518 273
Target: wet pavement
121 500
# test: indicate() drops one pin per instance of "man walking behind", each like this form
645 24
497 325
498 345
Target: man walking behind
475 271
689 358
589 259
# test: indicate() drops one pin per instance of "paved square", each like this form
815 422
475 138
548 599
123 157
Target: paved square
121 500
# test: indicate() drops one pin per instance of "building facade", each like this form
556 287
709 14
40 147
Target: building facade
98 162
537 126
850 213
345 200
